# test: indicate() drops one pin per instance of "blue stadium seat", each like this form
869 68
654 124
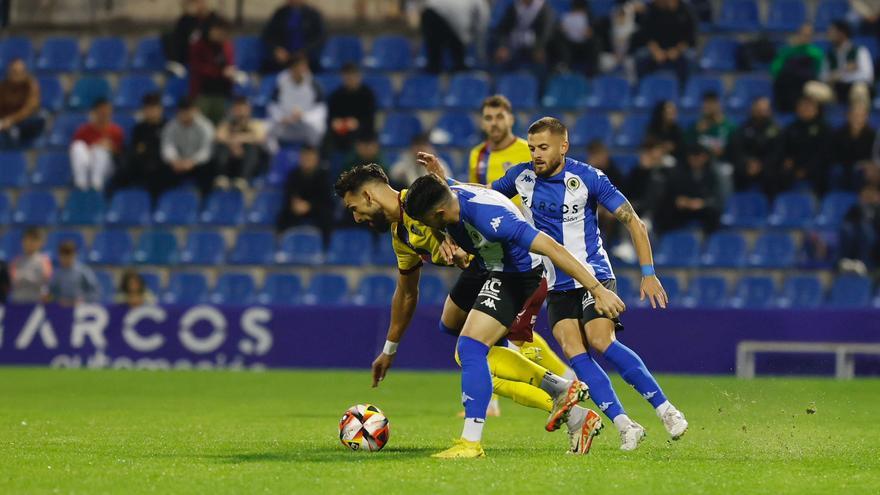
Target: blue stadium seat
696 87
566 91
786 16
223 208
204 247
754 292
301 246
420 91
14 169
455 128
745 210
850 291
432 290
827 11
111 247
106 54
327 288
719 55
739 15
653 89
610 93
129 207
233 288
672 286
328 82
5 208
521 89
248 53
156 247
35 208
152 281
384 254
625 289
389 53
746 89
126 121
792 210
589 127
253 248
176 88
107 285
773 250
185 288
51 93
177 207
59 54
632 131
264 210
706 291
83 208
870 42
834 208
383 89
351 247
375 290
625 163
63 129
10 242
87 90
340 50
725 250
148 56
399 130
280 165
132 89
15 47
56 237
265 91
281 289
679 250
466 92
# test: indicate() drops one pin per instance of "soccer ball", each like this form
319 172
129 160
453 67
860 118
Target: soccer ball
364 427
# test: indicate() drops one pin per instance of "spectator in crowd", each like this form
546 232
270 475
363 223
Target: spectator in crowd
524 34
712 130
308 198
849 68
805 149
407 169
669 30
212 71
867 13
694 193
31 271
754 148
72 282
241 146
20 118
295 29
133 291
366 150
143 166
351 110
646 184
600 158
794 66
298 112
618 35
860 233
187 143
852 143
578 46
192 25
664 128
449 26
95 147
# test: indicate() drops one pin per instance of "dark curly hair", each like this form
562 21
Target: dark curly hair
424 194
354 178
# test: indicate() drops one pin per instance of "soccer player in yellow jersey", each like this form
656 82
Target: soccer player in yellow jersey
501 150
368 196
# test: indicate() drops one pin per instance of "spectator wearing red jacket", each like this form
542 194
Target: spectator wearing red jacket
212 71
94 148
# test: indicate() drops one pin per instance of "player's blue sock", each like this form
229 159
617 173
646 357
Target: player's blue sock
634 371
588 371
447 330
476 380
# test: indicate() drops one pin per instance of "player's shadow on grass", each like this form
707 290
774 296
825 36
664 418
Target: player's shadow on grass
324 455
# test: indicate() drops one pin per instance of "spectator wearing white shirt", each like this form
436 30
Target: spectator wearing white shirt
406 169
298 112
187 146
848 67
452 25
578 44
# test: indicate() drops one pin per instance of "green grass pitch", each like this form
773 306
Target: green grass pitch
276 432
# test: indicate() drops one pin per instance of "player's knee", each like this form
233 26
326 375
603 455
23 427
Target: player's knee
571 342
599 338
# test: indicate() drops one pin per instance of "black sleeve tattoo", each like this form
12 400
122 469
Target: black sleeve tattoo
625 213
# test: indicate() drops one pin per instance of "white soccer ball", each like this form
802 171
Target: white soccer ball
364 427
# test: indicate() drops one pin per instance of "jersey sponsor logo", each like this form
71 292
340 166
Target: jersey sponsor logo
554 207
491 289
489 303
604 406
587 300
465 397
649 395
527 178
572 184
495 223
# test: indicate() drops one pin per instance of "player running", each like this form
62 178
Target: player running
368 196
562 196
488 225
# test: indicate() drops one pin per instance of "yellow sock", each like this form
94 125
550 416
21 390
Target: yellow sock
539 351
511 365
522 393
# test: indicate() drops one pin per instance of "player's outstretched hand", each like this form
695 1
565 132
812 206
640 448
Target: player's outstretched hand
380 367
607 303
431 164
449 249
654 291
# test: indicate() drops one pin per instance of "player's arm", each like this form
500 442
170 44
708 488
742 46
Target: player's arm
403 305
433 166
607 302
650 286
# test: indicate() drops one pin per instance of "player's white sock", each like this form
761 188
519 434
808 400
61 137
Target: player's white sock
473 429
570 374
576 417
662 408
622 422
554 384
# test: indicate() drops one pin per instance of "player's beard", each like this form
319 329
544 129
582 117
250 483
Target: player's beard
549 168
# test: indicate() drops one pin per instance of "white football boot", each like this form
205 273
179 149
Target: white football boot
674 422
632 436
